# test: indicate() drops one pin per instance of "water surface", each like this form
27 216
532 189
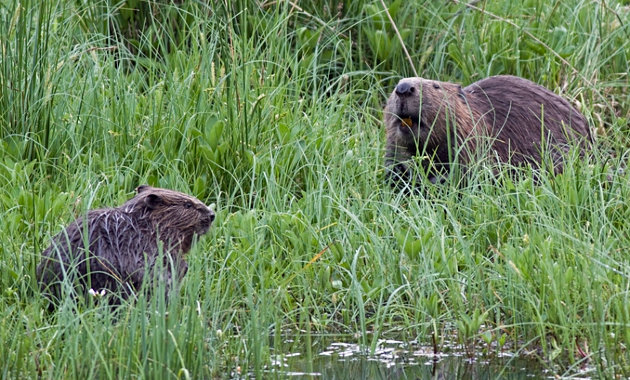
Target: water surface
398 360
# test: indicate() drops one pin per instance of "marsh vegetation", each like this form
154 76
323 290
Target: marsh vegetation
272 111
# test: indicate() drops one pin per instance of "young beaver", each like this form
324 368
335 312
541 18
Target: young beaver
124 243
505 117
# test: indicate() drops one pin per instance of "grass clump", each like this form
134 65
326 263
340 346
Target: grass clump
273 113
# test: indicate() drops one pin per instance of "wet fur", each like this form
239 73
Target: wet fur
505 117
124 243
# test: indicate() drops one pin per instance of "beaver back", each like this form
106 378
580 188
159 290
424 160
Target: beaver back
525 119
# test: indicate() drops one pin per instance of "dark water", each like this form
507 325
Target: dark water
397 360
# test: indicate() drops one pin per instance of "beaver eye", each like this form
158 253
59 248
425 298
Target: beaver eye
188 204
435 85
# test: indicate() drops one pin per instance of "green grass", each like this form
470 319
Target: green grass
274 115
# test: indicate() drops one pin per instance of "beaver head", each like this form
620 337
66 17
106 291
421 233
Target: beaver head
176 216
420 111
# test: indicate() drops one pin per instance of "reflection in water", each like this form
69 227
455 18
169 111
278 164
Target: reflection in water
397 360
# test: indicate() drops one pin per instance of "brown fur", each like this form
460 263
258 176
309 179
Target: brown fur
503 117
124 243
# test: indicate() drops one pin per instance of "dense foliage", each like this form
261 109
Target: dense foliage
272 112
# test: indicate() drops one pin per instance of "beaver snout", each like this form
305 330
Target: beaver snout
206 222
404 89
404 103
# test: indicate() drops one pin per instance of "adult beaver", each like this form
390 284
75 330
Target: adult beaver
114 249
502 117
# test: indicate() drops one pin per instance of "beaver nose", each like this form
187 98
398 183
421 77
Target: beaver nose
211 215
404 88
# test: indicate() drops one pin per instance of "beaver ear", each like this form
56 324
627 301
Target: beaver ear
152 201
142 188
461 92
